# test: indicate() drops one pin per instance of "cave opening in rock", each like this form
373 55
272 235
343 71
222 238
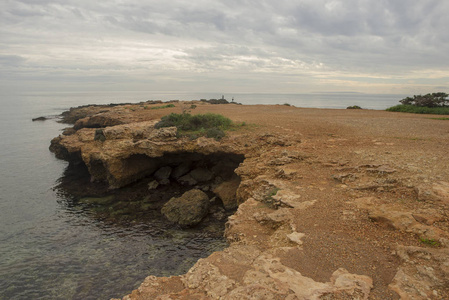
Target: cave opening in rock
124 233
153 182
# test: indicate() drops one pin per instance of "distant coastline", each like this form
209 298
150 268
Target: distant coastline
336 100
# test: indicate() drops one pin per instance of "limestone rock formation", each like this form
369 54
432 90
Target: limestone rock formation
417 222
132 151
437 191
424 273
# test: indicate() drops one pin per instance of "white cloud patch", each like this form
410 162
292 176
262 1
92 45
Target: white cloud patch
300 46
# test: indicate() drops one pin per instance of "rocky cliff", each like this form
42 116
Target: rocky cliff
331 205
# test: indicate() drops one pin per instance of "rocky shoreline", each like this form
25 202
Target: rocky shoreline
332 204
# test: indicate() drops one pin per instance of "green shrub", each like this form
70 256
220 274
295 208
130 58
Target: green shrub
163 106
442 118
215 133
353 107
210 125
187 122
420 109
435 103
429 242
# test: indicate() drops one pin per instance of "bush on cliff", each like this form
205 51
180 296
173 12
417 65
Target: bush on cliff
429 100
435 103
163 106
420 109
211 125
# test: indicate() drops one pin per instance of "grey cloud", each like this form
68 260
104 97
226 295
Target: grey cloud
387 37
11 60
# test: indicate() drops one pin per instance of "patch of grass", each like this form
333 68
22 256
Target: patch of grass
442 118
269 200
429 242
163 106
410 138
194 126
240 125
420 109
273 192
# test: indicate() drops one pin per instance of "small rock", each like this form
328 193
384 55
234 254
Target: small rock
181 170
280 161
39 119
153 185
227 193
163 174
428 218
68 131
285 172
164 182
344 177
275 219
296 237
187 180
353 285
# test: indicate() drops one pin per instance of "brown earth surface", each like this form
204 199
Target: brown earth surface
334 204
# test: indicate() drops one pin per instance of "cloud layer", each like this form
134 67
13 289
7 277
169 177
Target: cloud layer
386 46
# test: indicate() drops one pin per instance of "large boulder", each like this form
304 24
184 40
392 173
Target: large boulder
187 210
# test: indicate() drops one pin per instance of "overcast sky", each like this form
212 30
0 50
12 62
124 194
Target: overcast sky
278 46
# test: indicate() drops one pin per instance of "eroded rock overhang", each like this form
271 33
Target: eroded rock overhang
122 154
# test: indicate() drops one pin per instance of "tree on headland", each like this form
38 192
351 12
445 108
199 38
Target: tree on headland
429 100
435 103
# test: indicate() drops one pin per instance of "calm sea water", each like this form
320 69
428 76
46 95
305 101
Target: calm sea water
52 250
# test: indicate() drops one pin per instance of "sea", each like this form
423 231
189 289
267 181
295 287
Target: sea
52 249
